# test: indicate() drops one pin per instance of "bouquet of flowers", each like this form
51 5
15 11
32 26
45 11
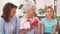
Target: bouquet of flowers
33 21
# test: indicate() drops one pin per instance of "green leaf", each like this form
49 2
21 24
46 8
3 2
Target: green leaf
20 7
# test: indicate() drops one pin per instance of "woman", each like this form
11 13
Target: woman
29 10
49 23
9 20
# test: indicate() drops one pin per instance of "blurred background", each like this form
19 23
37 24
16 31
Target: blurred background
40 6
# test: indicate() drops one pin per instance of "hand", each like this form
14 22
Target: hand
23 31
52 33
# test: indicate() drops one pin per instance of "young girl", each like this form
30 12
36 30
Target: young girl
29 17
49 22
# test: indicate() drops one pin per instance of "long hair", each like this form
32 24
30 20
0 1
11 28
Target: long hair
6 11
52 10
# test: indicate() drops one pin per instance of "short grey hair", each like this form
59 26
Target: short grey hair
27 6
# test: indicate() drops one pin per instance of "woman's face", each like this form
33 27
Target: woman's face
13 12
31 11
49 12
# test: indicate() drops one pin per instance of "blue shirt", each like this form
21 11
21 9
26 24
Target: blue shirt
48 26
5 27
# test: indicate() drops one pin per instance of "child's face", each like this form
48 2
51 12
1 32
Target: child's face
49 12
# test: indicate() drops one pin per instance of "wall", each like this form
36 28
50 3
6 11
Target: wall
58 7
2 2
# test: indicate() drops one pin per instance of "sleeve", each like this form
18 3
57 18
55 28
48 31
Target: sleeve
42 21
1 26
17 26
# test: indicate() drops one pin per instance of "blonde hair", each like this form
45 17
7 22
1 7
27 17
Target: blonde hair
52 10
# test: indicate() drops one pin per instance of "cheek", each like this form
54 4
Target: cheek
51 14
13 13
47 13
32 12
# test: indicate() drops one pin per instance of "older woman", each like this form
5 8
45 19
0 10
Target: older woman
29 26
